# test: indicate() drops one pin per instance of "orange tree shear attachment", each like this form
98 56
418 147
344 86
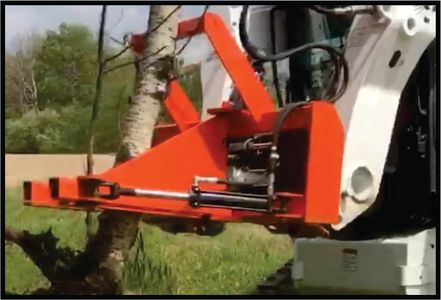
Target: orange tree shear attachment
227 168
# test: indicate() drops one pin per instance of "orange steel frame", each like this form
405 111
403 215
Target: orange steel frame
191 147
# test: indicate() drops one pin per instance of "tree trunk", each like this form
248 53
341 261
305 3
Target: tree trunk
117 231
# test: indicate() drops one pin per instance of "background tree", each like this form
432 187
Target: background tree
21 85
99 269
66 64
60 124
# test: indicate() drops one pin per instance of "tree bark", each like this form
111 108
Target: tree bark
106 252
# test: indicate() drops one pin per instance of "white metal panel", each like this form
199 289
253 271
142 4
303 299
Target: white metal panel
403 265
216 84
326 265
368 108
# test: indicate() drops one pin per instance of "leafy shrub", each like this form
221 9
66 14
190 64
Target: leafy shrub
34 132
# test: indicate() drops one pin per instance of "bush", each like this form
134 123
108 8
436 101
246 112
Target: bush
34 132
65 129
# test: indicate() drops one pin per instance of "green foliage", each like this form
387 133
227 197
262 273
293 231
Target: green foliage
34 132
48 131
65 74
232 263
65 64
12 93
64 131
20 87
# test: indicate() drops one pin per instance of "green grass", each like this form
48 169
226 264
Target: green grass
231 263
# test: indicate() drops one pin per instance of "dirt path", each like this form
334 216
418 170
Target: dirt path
42 166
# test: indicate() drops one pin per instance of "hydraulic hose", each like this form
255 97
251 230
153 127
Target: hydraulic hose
259 54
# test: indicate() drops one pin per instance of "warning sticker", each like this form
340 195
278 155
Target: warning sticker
349 259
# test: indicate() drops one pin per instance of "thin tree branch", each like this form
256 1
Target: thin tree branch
121 16
116 55
115 40
98 88
132 62
97 91
146 34
197 28
164 20
119 112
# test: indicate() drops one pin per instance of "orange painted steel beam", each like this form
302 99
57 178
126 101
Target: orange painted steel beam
200 150
180 107
252 91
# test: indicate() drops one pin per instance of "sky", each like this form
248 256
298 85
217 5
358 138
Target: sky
27 19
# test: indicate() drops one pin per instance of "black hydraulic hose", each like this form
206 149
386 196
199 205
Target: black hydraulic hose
274 156
280 119
280 100
258 54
